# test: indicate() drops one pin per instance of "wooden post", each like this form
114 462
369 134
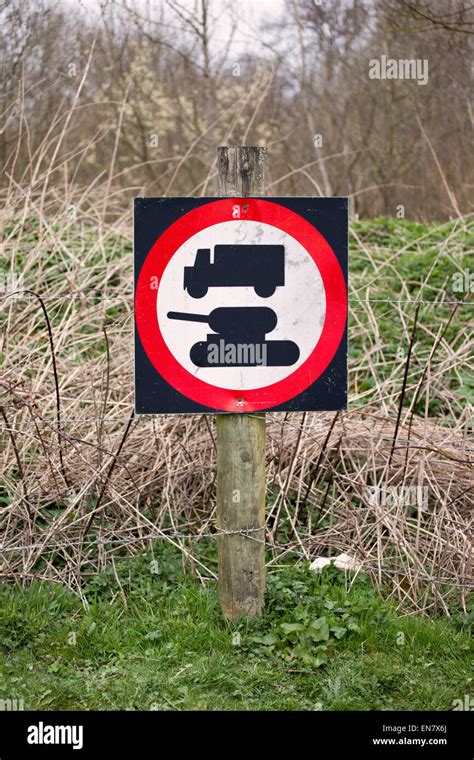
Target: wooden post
241 446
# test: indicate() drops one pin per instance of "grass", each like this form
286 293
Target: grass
406 261
155 637
150 637
389 259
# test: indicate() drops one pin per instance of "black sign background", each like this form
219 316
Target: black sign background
153 394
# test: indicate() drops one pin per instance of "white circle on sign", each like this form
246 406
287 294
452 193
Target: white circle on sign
300 304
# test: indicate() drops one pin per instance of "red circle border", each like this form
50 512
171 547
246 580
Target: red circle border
164 248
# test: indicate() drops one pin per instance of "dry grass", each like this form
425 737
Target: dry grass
83 481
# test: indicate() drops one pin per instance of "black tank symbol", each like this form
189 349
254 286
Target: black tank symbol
259 266
239 338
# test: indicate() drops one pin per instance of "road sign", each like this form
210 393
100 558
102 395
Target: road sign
240 304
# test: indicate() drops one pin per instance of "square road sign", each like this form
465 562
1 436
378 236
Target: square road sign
240 304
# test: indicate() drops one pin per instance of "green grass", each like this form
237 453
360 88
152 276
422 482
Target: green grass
388 259
409 261
159 641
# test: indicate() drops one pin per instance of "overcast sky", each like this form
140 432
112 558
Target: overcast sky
249 14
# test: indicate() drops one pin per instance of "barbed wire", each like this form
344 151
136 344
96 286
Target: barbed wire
413 301
249 533
18 427
244 533
149 417
124 541
96 300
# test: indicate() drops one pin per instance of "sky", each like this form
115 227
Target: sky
248 14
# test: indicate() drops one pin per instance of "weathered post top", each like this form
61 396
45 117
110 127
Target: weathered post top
241 170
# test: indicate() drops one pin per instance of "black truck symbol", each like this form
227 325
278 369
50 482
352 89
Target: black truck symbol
260 266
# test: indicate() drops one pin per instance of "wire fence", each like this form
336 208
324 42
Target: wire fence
79 498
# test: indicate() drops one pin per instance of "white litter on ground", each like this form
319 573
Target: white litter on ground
343 562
